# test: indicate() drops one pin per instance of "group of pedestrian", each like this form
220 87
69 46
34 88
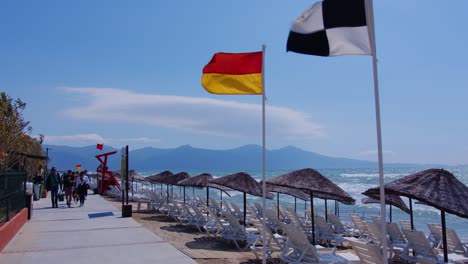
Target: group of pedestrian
70 183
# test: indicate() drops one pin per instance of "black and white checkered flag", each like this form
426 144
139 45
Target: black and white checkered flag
331 28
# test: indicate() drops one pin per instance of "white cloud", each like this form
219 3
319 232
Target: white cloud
139 140
194 114
90 139
78 139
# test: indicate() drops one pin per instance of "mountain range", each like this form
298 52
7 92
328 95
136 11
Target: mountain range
188 158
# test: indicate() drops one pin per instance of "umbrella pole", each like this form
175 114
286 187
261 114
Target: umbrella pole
326 210
167 193
193 191
184 194
207 198
336 208
295 204
245 212
390 213
411 213
312 216
277 204
444 236
305 209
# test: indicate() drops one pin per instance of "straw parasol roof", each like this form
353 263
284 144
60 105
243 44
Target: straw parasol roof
174 179
202 180
314 183
390 199
289 191
242 182
157 178
435 187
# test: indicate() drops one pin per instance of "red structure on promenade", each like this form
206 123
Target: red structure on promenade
104 176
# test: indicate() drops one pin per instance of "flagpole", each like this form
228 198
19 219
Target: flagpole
383 225
263 156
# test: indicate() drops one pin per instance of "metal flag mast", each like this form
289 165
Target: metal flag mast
263 155
371 29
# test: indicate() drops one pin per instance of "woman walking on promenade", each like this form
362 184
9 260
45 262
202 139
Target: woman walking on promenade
37 180
82 186
52 184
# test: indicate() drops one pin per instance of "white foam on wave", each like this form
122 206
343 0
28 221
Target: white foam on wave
355 189
371 175
145 174
234 193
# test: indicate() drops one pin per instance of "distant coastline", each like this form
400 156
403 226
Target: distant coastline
187 158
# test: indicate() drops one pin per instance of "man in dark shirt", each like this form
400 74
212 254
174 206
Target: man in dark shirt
68 183
53 182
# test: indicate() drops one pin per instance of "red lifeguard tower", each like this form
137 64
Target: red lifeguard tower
106 178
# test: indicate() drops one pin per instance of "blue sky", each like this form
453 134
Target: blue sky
128 72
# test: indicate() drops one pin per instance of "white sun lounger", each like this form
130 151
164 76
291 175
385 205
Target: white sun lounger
299 250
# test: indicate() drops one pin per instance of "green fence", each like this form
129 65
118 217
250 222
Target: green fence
12 194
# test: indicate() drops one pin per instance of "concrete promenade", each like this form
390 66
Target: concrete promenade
95 233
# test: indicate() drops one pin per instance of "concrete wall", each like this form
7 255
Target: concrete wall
10 228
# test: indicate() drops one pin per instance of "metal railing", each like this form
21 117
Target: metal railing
12 194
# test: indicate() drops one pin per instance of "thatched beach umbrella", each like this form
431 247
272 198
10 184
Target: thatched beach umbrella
174 180
286 190
392 200
437 188
157 178
312 182
201 181
242 182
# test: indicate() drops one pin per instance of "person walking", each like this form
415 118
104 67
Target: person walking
53 183
68 183
82 186
37 181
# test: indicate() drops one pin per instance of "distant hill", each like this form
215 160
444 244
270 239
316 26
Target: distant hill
188 158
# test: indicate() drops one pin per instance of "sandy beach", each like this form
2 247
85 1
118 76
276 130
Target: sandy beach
201 247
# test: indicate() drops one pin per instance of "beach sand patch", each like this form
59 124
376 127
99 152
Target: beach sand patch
199 246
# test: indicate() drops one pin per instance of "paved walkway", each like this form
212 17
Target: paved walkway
95 233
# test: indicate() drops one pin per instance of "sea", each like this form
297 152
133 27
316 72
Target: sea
354 182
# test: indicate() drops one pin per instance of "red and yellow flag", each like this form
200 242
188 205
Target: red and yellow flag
78 167
234 73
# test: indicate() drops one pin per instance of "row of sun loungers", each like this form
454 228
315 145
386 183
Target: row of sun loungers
288 236
409 245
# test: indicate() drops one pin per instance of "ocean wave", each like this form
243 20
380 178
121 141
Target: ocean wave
355 189
371 175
